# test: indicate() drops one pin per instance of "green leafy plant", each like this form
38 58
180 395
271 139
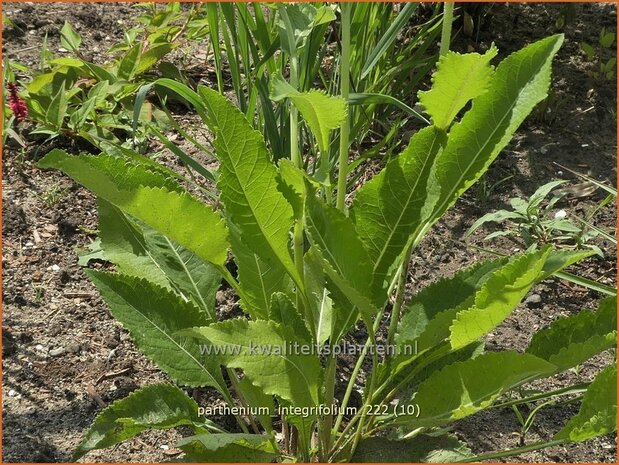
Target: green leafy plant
533 219
308 269
604 66
71 97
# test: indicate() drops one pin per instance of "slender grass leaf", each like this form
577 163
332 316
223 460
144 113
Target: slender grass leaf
587 283
388 38
372 98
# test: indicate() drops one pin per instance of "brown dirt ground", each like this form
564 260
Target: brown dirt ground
48 402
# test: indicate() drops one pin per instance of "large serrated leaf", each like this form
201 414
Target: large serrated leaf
457 80
229 448
179 216
153 316
519 83
497 298
442 295
160 406
598 412
420 449
266 352
257 279
323 113
335 239
458 390
138 250
388 209
248 184
572 340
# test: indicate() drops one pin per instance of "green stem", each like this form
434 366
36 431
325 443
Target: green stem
345 89
399 297
545 395
448 16
326 433
512 452
235 384
351 385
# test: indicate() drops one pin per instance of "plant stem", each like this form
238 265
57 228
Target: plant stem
448 16
545 395
511 452
344 90
235 384
326 433
399 297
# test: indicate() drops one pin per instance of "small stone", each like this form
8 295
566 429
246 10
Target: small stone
73 348
164 447
12 393
58 351
533 300
29 244
39 348
111 355
55 268
560 215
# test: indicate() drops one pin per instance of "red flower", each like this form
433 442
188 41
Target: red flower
16 103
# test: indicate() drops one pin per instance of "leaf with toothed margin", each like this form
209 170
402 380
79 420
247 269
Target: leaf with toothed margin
457 80
519 83
388 209
346 261
153 315
572 340
248 184
266 352
159 406
148 196
138 250
598 411
322 112
497 298
458 390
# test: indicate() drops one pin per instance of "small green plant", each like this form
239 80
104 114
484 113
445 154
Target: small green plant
602 55
53 194
39 293
76 99
309 267
537 221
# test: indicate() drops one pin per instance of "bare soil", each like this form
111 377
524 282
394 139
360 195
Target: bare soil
64 356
